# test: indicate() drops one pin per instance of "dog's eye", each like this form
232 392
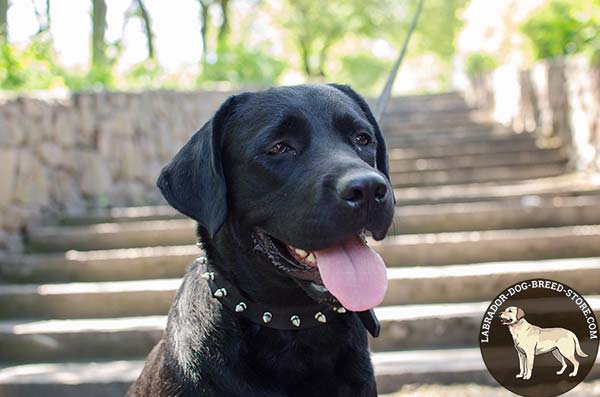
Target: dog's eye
279 148
362 139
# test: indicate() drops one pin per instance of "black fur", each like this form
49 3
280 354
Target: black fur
225 179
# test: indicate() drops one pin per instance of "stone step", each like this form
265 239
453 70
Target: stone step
166 262
112 235
490 245
403 327
123 214
527 212
468 149
88 300
425 97
79 339
437 119
433 101
397 250
446 134
451 139
448 366
474 175
393 370
456 163
131 234
567 185
144 233
400 136
431 128
512 213
435 326
103 265
435 108
482 281
71 379
585 389
410 285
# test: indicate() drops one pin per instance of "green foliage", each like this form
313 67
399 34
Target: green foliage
437 29
563 27
35 67
364 72
240 64
97 78
478 63
316 30
29 68
146 74
316 27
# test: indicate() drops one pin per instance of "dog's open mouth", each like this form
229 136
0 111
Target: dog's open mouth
350 273
505 321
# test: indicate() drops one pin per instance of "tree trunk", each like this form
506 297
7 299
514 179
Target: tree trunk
143 12
98 32
3 21
323 54
224 28
43 19
204 20
48 17
305 55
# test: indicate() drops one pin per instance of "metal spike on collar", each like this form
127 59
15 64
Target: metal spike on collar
267 317
295 320
199 245
221 292
320 317
240 307
201 260
340 309
208 276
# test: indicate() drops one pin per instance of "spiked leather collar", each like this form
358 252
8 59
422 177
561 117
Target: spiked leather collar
283 318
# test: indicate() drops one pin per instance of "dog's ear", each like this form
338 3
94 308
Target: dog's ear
193 181
381 156
520 313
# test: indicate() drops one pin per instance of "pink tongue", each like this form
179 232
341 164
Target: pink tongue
354 274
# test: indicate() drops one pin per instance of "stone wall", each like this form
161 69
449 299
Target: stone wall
557 100
62 156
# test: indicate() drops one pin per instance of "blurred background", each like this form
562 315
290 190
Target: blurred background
492 126
149 44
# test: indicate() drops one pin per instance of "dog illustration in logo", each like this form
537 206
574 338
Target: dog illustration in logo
531 340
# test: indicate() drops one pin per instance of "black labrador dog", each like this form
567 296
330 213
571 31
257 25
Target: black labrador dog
284 184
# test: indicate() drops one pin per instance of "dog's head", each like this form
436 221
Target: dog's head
303 172
511 315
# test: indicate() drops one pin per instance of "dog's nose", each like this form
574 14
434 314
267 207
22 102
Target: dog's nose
361 188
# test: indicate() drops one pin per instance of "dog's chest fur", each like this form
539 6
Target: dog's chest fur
226 355
521 330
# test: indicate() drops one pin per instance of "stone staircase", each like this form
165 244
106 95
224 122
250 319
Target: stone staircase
479 208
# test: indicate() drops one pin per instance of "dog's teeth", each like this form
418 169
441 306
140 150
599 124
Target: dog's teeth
295 320
221 292
320 317
240 307
319 287
311 259
340 309
267 317
300 253
363 237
